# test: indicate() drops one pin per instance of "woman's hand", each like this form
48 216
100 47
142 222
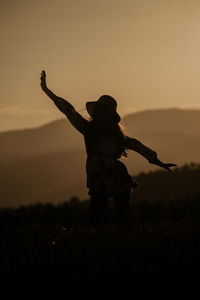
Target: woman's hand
163 165
168 166
43 80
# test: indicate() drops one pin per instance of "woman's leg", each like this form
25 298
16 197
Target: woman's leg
122 202
98 203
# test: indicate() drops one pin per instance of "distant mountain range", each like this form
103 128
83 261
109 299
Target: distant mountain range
47 163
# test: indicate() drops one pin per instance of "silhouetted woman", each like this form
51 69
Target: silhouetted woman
105 143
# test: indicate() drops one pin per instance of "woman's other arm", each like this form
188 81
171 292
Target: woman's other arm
64 106
149 154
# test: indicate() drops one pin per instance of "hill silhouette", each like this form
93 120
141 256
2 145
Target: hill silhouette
168 120
172 124
47 163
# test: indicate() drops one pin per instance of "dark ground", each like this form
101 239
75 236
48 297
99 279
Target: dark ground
36 242
55 242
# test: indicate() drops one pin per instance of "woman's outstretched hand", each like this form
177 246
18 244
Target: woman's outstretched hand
165 166
43 81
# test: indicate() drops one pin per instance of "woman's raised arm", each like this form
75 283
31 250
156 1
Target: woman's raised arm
149 154
65 107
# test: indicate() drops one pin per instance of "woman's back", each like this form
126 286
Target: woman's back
105 141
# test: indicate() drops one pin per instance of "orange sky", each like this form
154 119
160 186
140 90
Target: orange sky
145 53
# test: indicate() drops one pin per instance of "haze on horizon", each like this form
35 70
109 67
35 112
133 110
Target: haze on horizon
143 53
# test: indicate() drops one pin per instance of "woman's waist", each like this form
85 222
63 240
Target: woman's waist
102 158
103 162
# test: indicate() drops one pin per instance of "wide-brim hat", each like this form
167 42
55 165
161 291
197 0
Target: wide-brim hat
109 102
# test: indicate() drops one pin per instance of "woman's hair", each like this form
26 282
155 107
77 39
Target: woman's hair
122 132
110 125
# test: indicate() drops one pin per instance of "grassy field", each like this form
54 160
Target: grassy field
55 242
46 241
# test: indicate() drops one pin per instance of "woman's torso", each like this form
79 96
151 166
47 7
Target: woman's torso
104 170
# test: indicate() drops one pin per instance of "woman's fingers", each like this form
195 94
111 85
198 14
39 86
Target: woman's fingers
43 78
167 166
43 74
171 165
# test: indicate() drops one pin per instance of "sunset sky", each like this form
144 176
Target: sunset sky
145 53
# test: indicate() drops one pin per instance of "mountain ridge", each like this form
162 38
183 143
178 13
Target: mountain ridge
47 163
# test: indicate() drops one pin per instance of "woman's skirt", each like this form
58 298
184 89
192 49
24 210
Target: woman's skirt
108 176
